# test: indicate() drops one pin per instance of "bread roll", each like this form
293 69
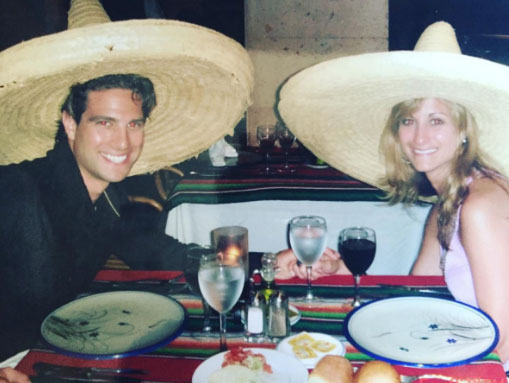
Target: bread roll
332 369
376 371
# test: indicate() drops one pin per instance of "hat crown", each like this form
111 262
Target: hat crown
438 37
86 12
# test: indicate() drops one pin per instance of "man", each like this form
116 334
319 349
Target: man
64 211
69 207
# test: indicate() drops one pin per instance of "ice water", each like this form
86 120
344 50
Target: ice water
221 286
308 244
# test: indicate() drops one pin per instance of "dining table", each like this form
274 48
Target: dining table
177 360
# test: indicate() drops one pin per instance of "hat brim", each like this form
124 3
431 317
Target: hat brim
203 82
339 108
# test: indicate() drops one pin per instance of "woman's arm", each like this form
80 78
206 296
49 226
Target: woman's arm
485 237
10 375
428 261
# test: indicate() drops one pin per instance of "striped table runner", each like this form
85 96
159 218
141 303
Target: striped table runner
177 361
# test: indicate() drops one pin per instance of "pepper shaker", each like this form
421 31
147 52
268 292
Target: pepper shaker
278 320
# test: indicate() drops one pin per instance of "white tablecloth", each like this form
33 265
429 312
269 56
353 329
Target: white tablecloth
399 230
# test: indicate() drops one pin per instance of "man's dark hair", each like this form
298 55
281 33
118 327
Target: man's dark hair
76 102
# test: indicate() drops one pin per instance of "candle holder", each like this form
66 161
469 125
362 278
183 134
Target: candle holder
231 242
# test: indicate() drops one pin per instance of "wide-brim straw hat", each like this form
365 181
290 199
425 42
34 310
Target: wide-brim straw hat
203 82
338 108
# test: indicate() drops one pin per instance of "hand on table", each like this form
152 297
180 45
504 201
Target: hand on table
330 263
10 375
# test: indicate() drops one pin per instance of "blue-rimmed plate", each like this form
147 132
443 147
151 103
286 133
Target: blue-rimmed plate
114 324
421 331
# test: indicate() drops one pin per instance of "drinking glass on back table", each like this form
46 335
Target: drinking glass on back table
357 246
308 237
286 140
192 265
221 282
266 135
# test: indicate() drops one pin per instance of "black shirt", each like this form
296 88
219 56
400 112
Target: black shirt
54 240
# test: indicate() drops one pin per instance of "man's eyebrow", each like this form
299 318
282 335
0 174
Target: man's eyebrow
101 118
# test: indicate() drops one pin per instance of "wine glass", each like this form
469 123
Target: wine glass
191 267
357 246
221 283
266 135
308 237
286 140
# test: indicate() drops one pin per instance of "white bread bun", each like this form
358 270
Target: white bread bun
332 369
376 371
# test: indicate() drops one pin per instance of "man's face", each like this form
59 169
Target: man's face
109 138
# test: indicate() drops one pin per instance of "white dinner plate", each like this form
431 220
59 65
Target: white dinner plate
421 331
285 368
285 347
114 324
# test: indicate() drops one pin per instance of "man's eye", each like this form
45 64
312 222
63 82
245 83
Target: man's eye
136 125
103 123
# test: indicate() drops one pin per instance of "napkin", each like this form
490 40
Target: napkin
220 150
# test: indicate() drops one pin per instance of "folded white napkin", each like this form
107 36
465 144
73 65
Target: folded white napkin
220 150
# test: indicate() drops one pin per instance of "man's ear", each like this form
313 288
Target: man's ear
69 125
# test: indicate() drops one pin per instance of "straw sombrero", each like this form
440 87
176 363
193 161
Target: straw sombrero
338 108
203 81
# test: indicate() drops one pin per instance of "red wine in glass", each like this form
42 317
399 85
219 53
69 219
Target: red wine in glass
286 142
266 136
357 246
358 254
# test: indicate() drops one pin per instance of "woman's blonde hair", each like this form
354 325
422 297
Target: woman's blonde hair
404 184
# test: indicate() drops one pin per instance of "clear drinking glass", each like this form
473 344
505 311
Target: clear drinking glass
191 267
357 246
221 283
308 237
266 135
286 140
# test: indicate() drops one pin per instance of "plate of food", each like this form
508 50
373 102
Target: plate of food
114 324
421 331
310 347
241 365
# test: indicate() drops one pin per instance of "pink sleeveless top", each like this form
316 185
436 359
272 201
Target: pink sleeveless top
456 268
457 272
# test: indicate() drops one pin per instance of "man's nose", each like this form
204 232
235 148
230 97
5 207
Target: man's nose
121 138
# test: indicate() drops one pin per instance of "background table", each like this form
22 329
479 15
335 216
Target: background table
240 195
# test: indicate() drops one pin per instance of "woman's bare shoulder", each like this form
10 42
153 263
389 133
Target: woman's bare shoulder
487 198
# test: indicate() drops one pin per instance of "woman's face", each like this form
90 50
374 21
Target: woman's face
430 138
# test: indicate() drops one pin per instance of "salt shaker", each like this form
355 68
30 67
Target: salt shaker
255 319
278 326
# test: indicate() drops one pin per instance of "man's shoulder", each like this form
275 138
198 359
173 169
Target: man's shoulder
19 178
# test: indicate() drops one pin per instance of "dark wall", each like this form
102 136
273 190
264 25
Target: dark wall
24 19
480 24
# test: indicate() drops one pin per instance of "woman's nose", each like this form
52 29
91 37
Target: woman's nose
420 134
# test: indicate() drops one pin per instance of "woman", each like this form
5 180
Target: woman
440 108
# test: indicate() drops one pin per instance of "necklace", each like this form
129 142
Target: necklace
111 205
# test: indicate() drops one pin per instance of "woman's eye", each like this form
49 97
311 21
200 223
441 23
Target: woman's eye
407 121
436 121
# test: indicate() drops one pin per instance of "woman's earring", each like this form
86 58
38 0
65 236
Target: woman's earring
405 161
464 141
